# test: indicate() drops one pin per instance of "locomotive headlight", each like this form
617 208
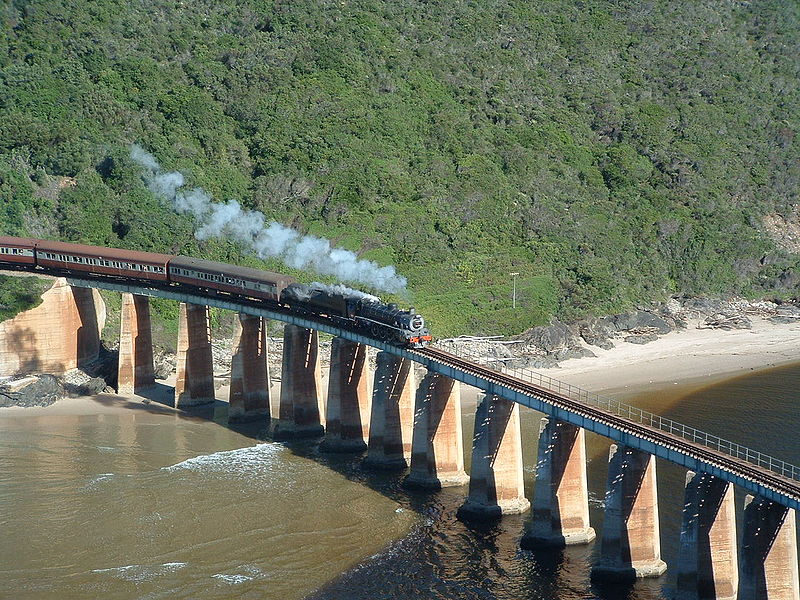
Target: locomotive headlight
416 323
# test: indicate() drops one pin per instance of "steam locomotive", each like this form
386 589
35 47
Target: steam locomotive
350 310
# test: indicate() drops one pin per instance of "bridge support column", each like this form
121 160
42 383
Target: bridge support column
630 546
707 565
349 398
249 393
496 484
392 413
135 371
768 567
561 496
301 407
437 451
194 381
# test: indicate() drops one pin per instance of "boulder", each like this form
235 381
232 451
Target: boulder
575 352
640 319
597 331
164 364
80 383
35 390
551 337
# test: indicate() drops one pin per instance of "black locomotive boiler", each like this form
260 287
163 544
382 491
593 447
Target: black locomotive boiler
359 312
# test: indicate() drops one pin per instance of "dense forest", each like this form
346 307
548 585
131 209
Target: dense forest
611 153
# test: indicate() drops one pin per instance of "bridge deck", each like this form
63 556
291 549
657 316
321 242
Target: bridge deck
696 450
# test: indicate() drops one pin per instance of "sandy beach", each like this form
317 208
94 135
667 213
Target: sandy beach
686 356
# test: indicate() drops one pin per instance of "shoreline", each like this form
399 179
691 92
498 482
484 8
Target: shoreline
684 357
687 358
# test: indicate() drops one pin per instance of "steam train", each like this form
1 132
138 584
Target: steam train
353 311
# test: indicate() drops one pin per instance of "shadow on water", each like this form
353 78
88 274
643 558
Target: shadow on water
442 556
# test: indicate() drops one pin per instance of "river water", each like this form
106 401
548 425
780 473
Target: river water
139 502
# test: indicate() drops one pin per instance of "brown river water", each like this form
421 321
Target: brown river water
140 502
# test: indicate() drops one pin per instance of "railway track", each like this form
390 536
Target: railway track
755 473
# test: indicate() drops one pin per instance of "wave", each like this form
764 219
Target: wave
257 458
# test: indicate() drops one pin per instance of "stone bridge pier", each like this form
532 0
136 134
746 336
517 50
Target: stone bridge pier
707 560
194 379
496 485
561 496
437 451
392 418
630 546
135 371
249 396
301 406
349 398
768 555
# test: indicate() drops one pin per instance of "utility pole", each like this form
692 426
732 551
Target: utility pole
514 293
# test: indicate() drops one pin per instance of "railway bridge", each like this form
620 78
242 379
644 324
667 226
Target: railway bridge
404 423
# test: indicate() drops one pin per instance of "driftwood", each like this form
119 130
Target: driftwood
723 321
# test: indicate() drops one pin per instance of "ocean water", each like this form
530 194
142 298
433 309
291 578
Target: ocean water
143 503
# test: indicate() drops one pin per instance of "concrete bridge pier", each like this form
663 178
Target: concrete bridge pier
630 546
194 381
135 371
249 392
561 496
768 556
496 484
707 563
392 418
349 398
437 451
301 407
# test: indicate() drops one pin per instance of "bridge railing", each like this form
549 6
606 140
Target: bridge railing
637 415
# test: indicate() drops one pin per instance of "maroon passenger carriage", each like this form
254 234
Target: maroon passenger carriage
228 278
78 258
17 251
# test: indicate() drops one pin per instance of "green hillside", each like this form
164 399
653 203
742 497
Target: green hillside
609 152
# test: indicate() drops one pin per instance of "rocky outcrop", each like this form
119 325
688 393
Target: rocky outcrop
60 334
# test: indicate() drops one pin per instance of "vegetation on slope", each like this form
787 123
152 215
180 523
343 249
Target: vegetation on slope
610 153
20 293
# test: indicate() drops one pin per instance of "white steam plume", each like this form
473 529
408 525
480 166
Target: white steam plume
249 227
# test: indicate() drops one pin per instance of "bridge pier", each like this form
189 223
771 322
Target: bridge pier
707 565
437 451
349 398
630 546
249 389
561 495
392 417
194 380
496 484
301 407
768 567
135 367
